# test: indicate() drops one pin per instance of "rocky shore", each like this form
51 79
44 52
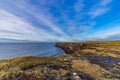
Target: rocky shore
95 60
105 54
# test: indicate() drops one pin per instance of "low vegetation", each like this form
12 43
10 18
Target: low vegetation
103 48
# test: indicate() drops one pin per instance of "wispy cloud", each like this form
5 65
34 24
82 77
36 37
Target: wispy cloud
13 27
41 16
54 20
111 32
19 28
107 36
100 8
78 6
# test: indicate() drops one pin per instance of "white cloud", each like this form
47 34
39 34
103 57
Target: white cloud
111 32
108 35
13 27
15 23
78 6
99 8
98 12
43 17
105 2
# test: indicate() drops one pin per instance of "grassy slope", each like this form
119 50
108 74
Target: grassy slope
23 64
102 48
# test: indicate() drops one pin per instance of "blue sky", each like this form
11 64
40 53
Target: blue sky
59 20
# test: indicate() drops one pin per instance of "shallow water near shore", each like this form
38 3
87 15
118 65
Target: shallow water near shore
9 50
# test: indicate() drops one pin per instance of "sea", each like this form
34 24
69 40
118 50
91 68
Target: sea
10 50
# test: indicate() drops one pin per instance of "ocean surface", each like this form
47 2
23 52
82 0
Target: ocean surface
9 50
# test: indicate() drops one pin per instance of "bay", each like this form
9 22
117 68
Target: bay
9 50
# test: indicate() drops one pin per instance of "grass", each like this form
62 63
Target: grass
20 64
103 48
34 68
91 69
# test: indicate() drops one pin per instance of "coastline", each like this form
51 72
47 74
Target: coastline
86 60
11 50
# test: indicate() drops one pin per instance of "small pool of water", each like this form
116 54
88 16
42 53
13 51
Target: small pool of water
104 60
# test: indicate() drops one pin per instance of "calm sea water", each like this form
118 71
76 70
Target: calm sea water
9 50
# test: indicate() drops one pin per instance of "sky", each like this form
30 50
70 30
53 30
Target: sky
59 20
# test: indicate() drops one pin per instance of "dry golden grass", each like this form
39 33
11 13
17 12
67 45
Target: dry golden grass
93 70
19 64
103 48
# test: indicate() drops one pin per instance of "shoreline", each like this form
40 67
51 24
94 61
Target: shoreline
86 60
32 55
14 50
